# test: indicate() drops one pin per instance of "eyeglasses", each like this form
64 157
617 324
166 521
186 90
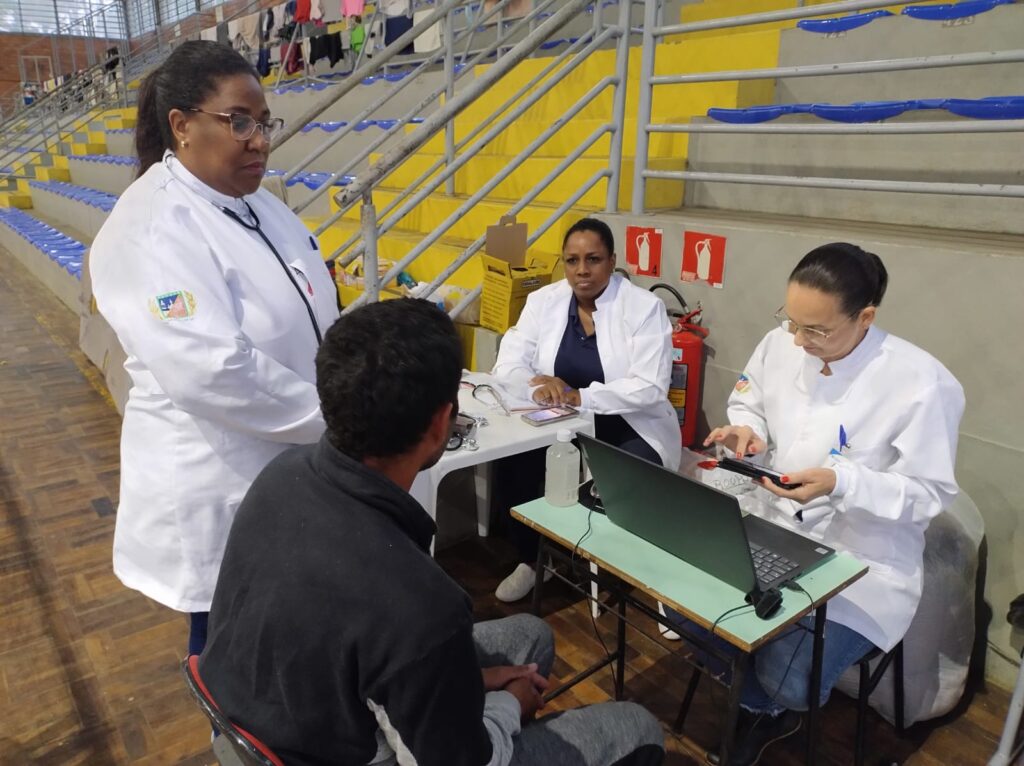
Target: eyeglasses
793 328
243 126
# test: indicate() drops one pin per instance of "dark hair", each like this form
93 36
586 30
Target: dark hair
183 81
858 278
383 371
598 227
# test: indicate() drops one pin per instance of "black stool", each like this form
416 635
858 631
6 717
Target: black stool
868 683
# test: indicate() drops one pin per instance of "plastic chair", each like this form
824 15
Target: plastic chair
249 749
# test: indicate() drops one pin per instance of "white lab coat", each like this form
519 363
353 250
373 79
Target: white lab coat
900 410
634 342
221 356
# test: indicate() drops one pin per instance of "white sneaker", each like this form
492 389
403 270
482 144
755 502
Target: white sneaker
518 584
666 633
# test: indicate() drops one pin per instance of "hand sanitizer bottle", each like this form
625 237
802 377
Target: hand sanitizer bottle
562 478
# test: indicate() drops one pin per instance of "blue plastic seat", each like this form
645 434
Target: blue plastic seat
991 108
950 11
841 23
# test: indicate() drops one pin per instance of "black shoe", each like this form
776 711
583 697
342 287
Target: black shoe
756 734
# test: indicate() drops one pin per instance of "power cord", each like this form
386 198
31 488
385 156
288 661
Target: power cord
794 586
590 611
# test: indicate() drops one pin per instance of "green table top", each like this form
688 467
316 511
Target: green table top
689 590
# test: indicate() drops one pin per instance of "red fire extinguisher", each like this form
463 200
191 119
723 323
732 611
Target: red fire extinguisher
687 361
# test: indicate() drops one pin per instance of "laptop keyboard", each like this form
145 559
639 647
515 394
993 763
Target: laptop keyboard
768 565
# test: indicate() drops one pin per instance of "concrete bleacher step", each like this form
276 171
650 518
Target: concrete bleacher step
52 256
929 157
481 169
291 101
290 153
79 207
1001 28
109 173
437 207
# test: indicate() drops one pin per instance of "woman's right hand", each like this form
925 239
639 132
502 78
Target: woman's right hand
740 439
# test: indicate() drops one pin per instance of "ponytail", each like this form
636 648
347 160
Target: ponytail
149 141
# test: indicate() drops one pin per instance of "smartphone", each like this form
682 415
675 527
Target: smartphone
747 468
550 415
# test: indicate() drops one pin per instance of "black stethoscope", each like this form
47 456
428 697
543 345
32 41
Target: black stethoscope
255 226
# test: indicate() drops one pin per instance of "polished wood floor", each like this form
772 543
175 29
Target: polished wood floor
89 669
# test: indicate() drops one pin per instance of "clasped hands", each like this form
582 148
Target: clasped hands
554 392
521 681
814 482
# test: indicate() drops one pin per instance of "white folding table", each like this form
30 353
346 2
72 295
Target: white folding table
504 435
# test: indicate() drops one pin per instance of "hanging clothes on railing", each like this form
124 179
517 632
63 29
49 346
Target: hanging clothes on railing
430 39
292 60
316 11
398 21
249 31
302 9
326 46
263 62
266 25
351 8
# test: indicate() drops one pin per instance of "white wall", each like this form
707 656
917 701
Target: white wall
957 295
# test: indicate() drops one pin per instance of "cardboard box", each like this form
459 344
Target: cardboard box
507 241
506 288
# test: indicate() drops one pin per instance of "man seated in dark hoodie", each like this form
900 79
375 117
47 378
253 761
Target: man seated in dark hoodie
335 637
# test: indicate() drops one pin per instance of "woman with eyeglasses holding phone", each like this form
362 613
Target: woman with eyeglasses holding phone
219 296
865 424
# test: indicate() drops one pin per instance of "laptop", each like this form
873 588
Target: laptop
697 523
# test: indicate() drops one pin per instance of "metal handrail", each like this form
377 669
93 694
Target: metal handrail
366 181
362 187
405 82
653 30
493 182
406 119
132 66
494 127
441 161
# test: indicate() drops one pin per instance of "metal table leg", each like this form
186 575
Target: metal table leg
814 690
740 666
620 675
538 582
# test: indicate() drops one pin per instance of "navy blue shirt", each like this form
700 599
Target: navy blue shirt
578 363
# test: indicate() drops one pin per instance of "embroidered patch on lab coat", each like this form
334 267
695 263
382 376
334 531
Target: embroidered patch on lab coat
179 304
743 384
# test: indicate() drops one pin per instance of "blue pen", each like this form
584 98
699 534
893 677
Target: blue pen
843 444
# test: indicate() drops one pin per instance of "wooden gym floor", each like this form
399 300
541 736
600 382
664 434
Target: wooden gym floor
89 670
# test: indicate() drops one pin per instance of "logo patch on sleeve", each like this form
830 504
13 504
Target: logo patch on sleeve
743 384
179 304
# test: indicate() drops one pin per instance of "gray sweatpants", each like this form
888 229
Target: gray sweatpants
609 734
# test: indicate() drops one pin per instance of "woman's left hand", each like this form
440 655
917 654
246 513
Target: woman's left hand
554 391
814 483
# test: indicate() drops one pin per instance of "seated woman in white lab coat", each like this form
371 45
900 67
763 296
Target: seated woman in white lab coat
594 341
219 297
866 424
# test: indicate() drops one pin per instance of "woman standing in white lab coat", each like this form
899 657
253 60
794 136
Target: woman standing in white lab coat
866 424
593 341
219 296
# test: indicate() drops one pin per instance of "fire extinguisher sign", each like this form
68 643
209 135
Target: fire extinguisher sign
703 258
643 250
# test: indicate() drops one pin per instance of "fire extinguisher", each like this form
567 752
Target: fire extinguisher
687 362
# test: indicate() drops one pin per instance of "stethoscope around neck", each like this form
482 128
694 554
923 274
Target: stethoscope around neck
255 226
